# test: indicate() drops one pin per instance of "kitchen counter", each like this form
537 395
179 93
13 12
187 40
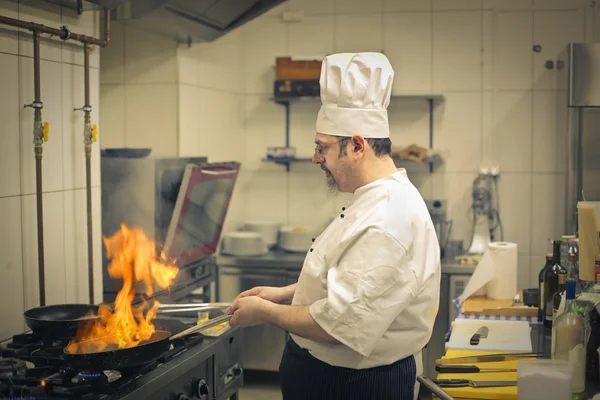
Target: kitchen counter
285 260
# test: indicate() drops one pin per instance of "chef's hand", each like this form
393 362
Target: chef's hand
277 295
248 311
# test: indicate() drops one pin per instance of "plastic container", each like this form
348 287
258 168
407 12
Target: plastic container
544 379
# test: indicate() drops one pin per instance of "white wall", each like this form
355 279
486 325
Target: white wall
65 226
501 104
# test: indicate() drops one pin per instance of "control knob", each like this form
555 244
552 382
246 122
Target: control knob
202 390
182 396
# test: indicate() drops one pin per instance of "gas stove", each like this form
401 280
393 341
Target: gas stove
195 367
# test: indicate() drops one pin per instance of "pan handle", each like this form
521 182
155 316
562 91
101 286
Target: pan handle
208 324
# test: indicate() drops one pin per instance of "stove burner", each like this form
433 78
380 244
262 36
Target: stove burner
12 367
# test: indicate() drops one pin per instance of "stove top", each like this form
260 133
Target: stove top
34 367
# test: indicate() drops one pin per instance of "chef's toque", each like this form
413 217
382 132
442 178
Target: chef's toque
355 94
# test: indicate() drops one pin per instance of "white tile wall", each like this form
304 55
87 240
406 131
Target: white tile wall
524 273
508 4
355 33
61 90
51 96
548 203
313 37
512 136
149 58
407 43
550 131
11 268
559 4
512 50
457 43
358 6
310 202
445 5
265 127
113 56
85 24
312 7
112 121
553 30
10 184
516 209
406 5
262 188
302 129
409 122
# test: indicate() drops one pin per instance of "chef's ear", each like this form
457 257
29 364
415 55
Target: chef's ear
358 144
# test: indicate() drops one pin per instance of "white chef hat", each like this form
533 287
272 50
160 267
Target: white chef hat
355 94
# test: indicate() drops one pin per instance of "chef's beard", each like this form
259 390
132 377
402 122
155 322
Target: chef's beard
331 182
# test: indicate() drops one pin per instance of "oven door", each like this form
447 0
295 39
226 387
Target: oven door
263 344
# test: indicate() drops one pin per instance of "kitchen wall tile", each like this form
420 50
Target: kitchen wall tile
356 33
590 17
276 11
96 112
11 268
457 42
550 131
51 96
113 56
112 117
312 37
406 5
407 43
559 4
187 65
76 245
553 30
264 123
190 132
266 195
524 273
42 13
512 54
310 202
313 7
303 118
87 24
456 189
152 118
409 122
264 40
73 150
236 214
487 49
220 64
457 125
9 36
54 252
149 57
507 4
445 5
512 137
515 209
10 184
537 263
547 211
487 130
596 25
423 181
358 6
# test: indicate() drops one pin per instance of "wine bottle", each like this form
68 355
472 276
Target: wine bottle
570 333
554 281
541 287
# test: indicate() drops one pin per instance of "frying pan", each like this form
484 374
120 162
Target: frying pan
145 352
59 319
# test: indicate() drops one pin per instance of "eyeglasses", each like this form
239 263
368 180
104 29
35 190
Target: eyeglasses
319 148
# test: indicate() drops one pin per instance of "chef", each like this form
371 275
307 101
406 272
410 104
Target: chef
368 294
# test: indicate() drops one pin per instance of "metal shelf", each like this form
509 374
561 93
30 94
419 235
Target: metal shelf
286 102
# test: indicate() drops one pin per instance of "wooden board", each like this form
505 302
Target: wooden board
482 305
497 393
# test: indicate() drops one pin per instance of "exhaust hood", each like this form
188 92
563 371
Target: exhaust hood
190 21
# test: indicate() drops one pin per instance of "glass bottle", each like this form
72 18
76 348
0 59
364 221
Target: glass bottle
571 333
554 281
541 287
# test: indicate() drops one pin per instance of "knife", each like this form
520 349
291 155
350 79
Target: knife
467 369
475 384
481 333
487 358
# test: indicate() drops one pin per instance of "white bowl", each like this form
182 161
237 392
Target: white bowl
296 239
243 244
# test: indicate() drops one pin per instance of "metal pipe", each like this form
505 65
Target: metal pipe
38 141
64 33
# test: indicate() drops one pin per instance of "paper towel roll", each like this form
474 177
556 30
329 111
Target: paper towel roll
504 256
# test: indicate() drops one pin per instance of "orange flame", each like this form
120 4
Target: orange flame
133 257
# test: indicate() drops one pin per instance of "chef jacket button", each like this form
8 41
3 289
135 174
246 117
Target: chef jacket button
311 250
313 239
342 215
343 208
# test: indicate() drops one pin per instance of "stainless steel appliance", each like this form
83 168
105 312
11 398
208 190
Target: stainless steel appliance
181 205
579 71
264 343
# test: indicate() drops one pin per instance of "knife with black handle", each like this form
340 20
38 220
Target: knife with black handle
475 384
468 369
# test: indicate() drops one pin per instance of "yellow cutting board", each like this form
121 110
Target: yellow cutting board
496 393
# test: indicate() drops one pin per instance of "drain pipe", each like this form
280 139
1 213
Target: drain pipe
89 136
40 135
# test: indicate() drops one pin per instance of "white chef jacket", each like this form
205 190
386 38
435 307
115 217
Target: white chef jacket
372 278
